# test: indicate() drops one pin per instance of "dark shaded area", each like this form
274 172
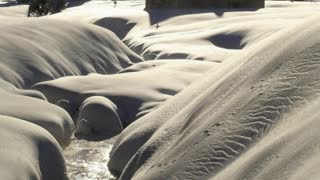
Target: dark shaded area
119 26
55 160
158 15
228 41
95 136
173 56
150 4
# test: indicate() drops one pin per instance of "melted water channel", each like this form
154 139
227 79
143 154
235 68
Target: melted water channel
87 160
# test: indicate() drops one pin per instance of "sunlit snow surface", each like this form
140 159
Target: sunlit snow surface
87 160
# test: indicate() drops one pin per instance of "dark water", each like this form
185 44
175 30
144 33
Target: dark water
87 160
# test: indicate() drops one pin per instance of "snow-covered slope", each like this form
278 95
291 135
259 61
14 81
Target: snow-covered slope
240 122
247 108
135 91
35 50
29 152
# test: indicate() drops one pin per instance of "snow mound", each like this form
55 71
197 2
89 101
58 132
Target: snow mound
201 34
46 49
135 91
29 152
23 105
242 115
98 116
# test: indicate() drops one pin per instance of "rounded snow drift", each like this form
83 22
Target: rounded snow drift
98 118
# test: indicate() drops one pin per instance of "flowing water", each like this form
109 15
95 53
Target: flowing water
87 160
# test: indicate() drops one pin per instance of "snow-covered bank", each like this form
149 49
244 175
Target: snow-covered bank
135 91
254 114
35 50
31 106
29 152
225 120
202 34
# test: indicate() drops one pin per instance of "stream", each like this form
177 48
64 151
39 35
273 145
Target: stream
88 160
